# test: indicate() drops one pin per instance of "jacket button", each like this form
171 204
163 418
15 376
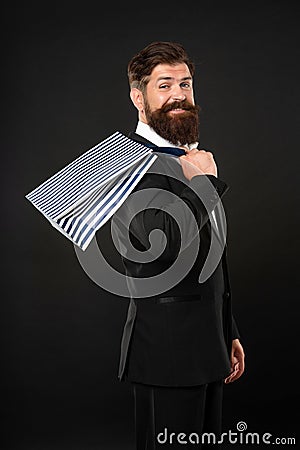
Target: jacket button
226 295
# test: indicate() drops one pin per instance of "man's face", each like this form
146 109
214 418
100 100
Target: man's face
168 84
169 106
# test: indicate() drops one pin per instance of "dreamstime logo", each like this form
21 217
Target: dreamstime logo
241 426
142 203
232 437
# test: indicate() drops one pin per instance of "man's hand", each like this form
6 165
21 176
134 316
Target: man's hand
198 162
237 361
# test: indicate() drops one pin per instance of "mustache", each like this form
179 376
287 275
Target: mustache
183 104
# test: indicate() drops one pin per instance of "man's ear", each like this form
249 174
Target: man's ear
137 99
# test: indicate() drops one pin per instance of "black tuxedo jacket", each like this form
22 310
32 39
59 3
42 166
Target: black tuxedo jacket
183 336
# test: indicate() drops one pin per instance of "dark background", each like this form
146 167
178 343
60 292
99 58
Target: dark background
64 88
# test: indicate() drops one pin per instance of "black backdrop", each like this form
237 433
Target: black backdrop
65 89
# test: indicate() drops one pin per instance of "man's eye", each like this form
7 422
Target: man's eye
164 86
185 85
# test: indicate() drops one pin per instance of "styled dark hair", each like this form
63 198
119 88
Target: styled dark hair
141 65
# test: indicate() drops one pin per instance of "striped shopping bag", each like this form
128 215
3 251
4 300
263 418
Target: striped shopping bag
81 197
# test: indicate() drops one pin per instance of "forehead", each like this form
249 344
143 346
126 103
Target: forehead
177 71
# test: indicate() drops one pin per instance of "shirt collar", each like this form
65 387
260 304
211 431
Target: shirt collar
144 130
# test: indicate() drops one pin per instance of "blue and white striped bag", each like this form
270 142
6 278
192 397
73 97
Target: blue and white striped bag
81 197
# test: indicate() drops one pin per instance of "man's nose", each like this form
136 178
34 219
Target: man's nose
178 94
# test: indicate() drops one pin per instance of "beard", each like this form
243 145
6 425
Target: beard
179 129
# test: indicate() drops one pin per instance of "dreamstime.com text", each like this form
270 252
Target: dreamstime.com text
241 436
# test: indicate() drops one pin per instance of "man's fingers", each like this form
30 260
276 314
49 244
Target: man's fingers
234 375
202 160
238 370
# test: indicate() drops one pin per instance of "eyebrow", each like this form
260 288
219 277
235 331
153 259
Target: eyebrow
172 78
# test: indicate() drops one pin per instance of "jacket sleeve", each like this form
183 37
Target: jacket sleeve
200 198
235 331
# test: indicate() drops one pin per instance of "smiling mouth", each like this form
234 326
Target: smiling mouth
177 110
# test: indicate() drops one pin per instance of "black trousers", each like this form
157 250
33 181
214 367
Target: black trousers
177 417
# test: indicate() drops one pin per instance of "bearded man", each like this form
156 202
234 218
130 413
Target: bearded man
180 342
